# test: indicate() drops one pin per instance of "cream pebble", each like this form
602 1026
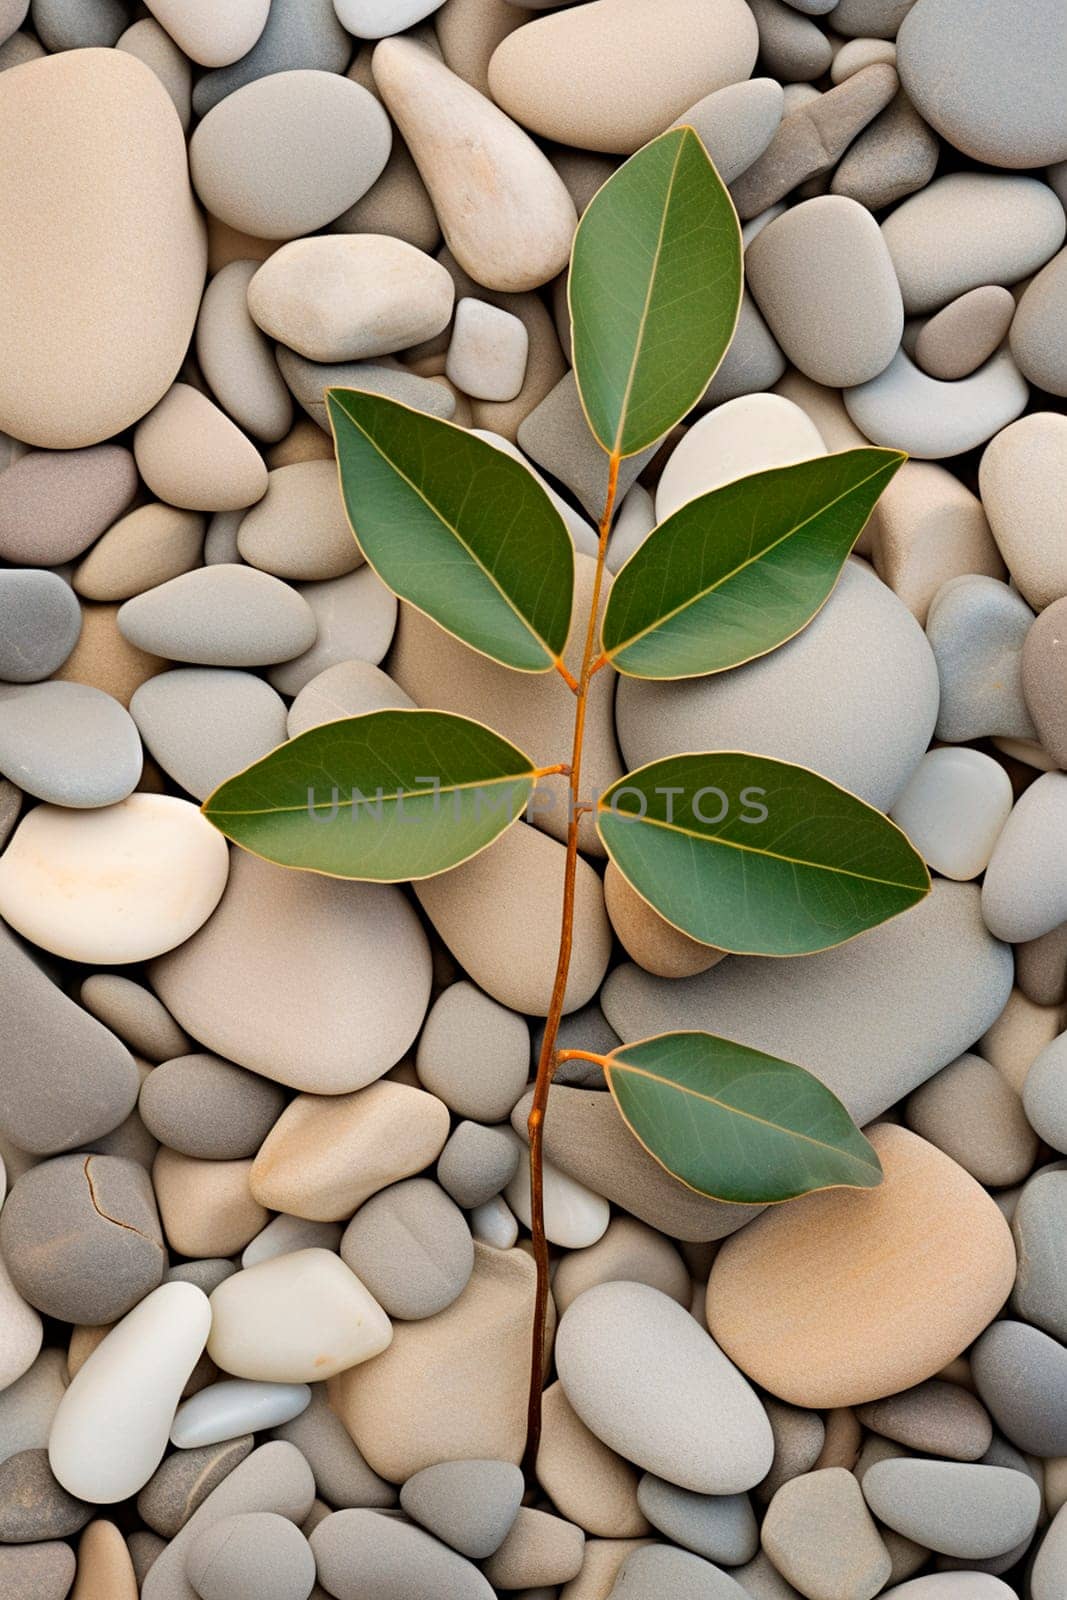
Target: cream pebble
487 352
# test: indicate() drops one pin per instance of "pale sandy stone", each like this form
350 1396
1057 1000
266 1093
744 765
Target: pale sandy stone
820 1535
505 213
207 1207
227 615
647 937
105 659
1023 477
601 1564
791 46
735 124
487 351
468 32
299 529
211 35
927 528
540 1548
376 19
1036 338
858 53
977 627
92 338
154 46
972 1112
397 202
750 434
629 1249
347 689
1018 1035
1025 890
354 617
905 409
236 358
122 883
850 1295
453 1386
965 332
21 1332
190 454
585 1480
145 547
953 808
613 75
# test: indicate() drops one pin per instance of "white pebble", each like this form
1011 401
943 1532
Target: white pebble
487 354
494 1224
953 808
235 1406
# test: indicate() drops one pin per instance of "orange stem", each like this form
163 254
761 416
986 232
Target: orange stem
546 1065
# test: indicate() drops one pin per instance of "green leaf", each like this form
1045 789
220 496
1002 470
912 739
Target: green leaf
455 527
734 1123
389 796
655 289
757 856
737 572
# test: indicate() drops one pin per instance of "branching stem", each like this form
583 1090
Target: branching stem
546 1065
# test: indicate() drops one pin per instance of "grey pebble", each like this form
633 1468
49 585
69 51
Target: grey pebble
182 1482
347 689
1040 1229
655 1571
1048 1576
736 124
40 621
556 437
956 1508
342 1477
10 806
307 380
976 627
28 1405
78 24
1021 1376
144 1548
221 616
720 1528
751 365
220 541
206 1274
203 724
477 1163
81 1237
819 1533
298 34
33 1506
365 1555
790 45
411 1246
255 1555
204 1106
799 1436
1045 1091
471 1505
939 1418
37 1571
355 616
68 744
134 1013
473 1053
874 19
585 1029
895 155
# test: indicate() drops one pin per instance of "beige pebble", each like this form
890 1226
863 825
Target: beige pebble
305 441
859 53
1022 1030
504 211
1023 480
973 1113
154 46
1044 663
354 617
207 1207
236 358
893 156
92 337
487 351
735 124
346 296
904 409
143 548
965 332
1036 339
468 32
299 529
647 937
190 454
83 490
848 1295
327 1154
601 1564
397 202
628 1249
928 527
791 45
211 35
585 1480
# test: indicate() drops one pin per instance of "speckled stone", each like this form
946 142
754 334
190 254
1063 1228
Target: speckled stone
33 1506
342 1476
39 624
820 1536
960 1509
412 1248
477 1163
202 724
183 1481
39 1571
471 1505
204 1106
298 34
1021 1376
54 503
721 1528
68 744
134 1013
938 1418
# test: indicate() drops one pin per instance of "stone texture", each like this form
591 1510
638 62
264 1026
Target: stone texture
721 1528
181 1483
33 1506
203 724
362 1553
585 1479
905 409
972 1113
473 1054
1025 890
203 1106
965 332
134 1013
298 34
1035 341
255 1555
354 617
54 503
926 529
1044 678
893 156
207 1207
342 1477
1022 479
39 624
411 1247
144 548
822 1538
299 529
471 1505
236 358
960 1509
1038 1228
68 744
938 1418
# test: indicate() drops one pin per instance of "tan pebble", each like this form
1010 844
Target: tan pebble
212 35
487 351
848 1295
299 529
821 1536
1045 678
538 1546
226 244
450 1386
841 1444
190 454
927 528
397 202
973 1113
601 1565
207 1207
505 213
628 1249
612 75
106 660
105 1570
143 548
859 53
1015 1040
305 441
965 333
585 1480
92 337
83 1341
647 937
154 46
1041 967
236 358
1036 333
327 1154
468 32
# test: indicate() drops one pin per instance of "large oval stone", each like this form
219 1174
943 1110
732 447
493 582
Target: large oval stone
849 1295
92 336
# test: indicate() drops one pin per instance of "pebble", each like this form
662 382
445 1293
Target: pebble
81 1237
796 270
894 155
750 434
68 1078
327 1154
540 1549
203 1106
585 1480
190 454
105 660
33 1506
93 337
958 1508
64 25
342 1477
487 352
791 46
134 1013
495 1224
183 1481
997 102
354 616
905 409
574 1216
752 364
1037 1226
318 1316
221 616
284 1234
412 1248
208 38
477 1163
940 249
284 154
1042 968
471 1505
651 941
154 46
927 528
28 1404
655 1570
799 1436
1022 476
53 503
473 1053
308 379
721 1528
861 1319
234 1407
325 1019
977 627
556 436
39 624
884 700
298 35
1034 342
343 297
346 689
965 333
362 1555
144 548
255 1555
662 1426
207 1206
374 19
105 1568
1042 678
237 359
453 1386
1025 889
1050 1568
110 1430
972 1113
299 529
1045 1094
68 744
953 809
119 884
40 1571
857 53
629 1250
821 1537
204 723
20 1334
735 124
938 1418
953 1586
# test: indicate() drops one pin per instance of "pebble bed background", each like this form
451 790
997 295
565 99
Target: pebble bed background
266 1203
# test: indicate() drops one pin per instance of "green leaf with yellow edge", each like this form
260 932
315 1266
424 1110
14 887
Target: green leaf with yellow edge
456 527
736 1124
757 856
736 572
388 796
654 290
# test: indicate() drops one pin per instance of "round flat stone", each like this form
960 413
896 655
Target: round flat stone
221 616
1025 890
1038 1227
54 503
742 436
299 529
960 1509
190 454
234 1407
203 724
976 627
183 1481
255 1556
938 1418
39 624
203 1106
477 1163
965 333
207 36
1021 1376
1045 1093
43 1570
362 1555
297 34
972 1113
471 1505
953 808
120 884
33 1506
847 1296
134 1013
988 81
584 1479
354 617
820 1535
412 1248
1023 478
474 1054
905 409
69 744
721 1528
144 548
